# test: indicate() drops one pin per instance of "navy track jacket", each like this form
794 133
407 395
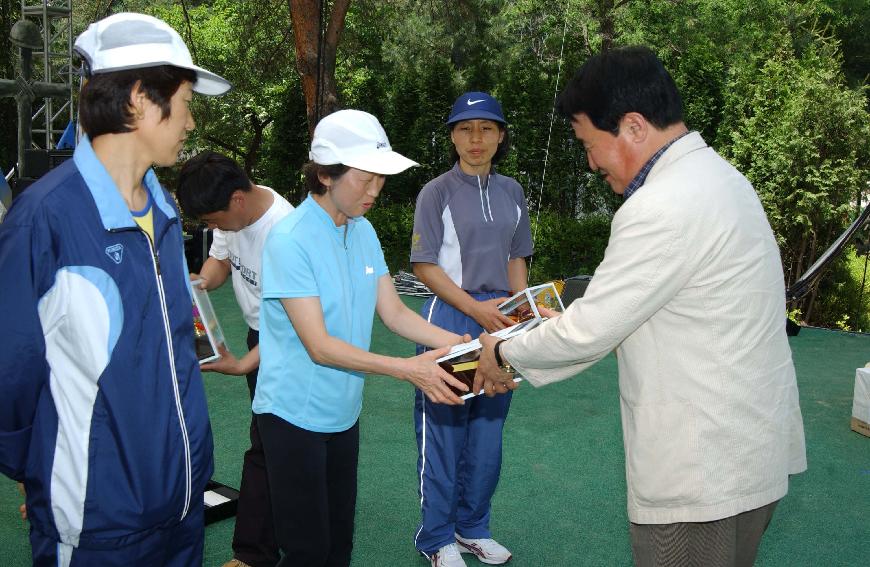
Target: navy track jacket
102 407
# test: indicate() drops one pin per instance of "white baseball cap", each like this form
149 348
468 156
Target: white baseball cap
131 41
356 139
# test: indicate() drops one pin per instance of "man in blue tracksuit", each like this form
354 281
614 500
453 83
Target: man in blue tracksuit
103 413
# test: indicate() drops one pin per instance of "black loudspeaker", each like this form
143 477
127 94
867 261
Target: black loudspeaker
196 247
39 162
574 288
57 157
36 164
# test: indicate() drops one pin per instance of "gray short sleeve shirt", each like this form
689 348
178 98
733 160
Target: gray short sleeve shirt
471 226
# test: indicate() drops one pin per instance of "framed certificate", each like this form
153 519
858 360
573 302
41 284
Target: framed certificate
207 333
524 305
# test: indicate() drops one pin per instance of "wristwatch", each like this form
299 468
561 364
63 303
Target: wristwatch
504 365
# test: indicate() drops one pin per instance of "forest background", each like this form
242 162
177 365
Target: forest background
779 88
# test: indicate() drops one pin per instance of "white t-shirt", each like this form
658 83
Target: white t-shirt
244 250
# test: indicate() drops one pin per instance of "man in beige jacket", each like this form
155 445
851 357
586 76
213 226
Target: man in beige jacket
691 295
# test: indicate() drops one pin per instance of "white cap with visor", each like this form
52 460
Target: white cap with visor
133 41
356 139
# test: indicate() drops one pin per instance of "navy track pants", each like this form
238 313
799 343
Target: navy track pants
459 450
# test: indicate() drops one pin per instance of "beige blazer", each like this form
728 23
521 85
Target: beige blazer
691 295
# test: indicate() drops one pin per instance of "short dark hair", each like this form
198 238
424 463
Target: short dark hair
613 83
503 147
104 102
207 182
312 173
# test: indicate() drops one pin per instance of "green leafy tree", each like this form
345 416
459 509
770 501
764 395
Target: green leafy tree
848 21
778 87
798 133
250 43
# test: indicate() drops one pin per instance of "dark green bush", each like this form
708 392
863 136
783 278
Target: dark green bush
394 223
566 247
841 302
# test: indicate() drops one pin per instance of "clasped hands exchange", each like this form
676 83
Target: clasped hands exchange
489 376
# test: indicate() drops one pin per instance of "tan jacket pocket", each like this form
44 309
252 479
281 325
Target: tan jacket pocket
662 455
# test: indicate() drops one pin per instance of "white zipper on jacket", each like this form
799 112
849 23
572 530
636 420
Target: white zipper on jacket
481 189
486 190
155 260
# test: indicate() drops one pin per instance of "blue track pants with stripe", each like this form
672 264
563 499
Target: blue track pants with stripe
459 450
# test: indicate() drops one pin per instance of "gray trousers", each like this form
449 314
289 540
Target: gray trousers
729 542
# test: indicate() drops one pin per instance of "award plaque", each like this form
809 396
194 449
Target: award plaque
524 305
462 360
207 333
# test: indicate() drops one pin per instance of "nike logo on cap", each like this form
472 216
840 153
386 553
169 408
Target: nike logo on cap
473 102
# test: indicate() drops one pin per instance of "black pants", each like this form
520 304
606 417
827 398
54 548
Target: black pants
729 542
254 536
313 485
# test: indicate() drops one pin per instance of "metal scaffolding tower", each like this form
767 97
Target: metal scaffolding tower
54 64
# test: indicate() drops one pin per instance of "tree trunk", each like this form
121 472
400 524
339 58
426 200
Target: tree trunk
306 27
249 154
797 266
605 13
256 142
817 253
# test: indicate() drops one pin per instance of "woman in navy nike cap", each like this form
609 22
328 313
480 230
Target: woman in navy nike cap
470 244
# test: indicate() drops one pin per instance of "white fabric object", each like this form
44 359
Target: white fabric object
356 139
861 400
243 249
691 295
129 40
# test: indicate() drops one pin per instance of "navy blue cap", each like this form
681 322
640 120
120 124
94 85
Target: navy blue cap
476 105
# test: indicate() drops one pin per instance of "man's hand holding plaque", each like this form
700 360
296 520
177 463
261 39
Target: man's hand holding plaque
493 376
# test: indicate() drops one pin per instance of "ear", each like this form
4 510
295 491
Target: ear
137 99
452 140
325 180
635 126
500 135
238 196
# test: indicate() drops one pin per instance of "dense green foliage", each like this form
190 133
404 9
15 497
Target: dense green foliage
394 223
567 246
778 87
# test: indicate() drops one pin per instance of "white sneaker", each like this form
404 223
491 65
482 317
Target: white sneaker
447 556
487 550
